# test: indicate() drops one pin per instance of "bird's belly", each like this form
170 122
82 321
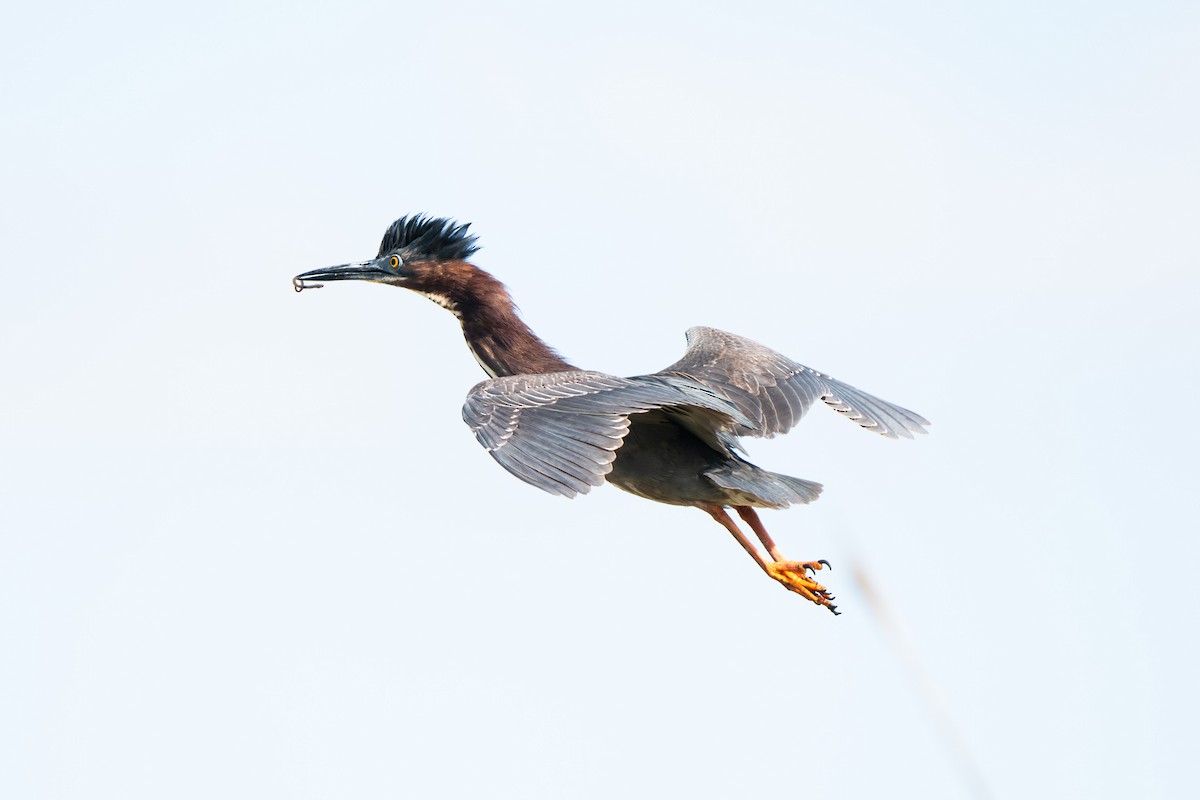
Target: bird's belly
662 461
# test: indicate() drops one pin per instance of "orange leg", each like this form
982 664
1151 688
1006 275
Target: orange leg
718 513
792 574
750 516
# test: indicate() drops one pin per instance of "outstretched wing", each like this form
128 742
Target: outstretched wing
775 392
560 431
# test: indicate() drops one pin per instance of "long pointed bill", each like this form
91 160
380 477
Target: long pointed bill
358 271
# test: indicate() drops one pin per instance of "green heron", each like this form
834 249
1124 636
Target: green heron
670 437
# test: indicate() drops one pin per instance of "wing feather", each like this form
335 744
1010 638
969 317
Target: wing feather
775 392
560 431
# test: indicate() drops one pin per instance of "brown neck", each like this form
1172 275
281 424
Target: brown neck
502 343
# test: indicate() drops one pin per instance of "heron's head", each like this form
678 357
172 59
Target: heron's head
425 254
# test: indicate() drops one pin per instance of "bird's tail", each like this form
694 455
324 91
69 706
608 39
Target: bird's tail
761 488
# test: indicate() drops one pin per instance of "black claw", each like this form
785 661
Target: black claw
828 566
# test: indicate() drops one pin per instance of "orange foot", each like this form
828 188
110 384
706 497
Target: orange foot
794 576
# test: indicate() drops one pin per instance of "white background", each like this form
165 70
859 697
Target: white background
248 549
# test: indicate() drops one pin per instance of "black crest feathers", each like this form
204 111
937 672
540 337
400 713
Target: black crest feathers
426 238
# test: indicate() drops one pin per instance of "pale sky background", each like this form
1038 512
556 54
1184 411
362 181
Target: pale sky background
248 549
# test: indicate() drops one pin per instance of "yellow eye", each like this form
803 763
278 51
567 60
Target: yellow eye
395 262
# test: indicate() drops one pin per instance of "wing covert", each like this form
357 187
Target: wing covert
560 431
775 392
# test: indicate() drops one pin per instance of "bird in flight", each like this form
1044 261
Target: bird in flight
671 436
